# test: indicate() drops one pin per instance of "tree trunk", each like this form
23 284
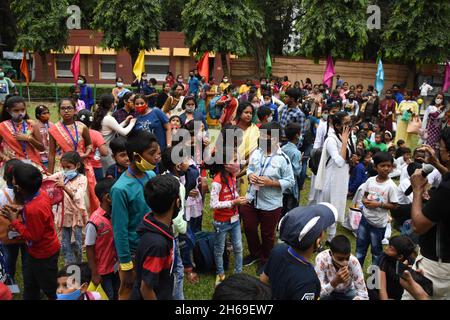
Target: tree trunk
45 73
134 55
226 71
410 81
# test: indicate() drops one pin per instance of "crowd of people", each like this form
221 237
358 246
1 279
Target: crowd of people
118 189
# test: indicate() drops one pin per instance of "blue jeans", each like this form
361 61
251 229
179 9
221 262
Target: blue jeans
12 253
98 172
72 255
305 158
369 235
234 229
111 284
348 295
178 293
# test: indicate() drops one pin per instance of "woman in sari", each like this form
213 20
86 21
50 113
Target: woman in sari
71 135
406 110
244 115
19 136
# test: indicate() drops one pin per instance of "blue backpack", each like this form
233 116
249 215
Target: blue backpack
215 111
204 253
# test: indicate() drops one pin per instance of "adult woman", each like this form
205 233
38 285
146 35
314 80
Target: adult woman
333 171
433 120
85 92
244 115
172 106
387 112
71 135
118 90
152 120
170 80
163 96
20 137
224 84
407 109
105 123
230 104
191 112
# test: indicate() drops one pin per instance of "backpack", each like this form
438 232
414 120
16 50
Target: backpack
308 135
204 253
215 111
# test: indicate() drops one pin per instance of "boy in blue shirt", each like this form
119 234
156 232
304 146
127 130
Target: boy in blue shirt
269 103
129 205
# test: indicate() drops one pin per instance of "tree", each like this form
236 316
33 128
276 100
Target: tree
333 27
41 27
171 14
222 26
133 24
8 30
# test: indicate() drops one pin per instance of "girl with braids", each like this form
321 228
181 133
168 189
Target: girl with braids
333 174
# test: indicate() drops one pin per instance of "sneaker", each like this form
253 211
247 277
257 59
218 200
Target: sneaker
260 269
249 260
219 279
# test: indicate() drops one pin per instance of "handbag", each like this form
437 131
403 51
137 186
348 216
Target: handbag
414 125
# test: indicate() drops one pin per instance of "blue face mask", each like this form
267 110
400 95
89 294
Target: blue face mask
70 174
69 296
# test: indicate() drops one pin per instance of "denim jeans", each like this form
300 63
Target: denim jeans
98 172
111 284
12 253
72 254
178 293
348 295
222 229
369 235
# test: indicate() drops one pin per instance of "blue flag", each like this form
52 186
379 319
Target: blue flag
379 81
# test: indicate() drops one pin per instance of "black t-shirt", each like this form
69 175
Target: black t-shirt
161 99
114 171
291 279
437 210
393 287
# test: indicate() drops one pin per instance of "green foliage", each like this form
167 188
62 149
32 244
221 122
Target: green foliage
171 14
41 24
133 25
333 27
417 31
221 25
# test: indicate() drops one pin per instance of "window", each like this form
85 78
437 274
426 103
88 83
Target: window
157 67
63 66
108 67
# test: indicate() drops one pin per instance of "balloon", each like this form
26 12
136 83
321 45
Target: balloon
420 101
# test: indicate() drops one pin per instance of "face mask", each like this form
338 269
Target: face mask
255 105
120 84
438 101
270 119
17 117
263 83
69 296
233 168
225 80
144 78
325 117
144 165
70 174
267 102
190 109
180 80
141 109
80 82
2 74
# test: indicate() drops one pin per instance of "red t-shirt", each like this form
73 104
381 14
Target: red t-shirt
38 227
97 142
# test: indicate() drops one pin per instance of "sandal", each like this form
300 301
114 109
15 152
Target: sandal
191 276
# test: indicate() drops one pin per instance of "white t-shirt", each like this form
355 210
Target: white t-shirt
3 199
434 178
385 192
402 198
424 88
91 235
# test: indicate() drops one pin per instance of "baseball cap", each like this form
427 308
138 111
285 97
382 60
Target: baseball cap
301 226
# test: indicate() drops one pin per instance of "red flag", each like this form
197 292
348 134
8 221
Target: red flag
75 65
24 67
203 66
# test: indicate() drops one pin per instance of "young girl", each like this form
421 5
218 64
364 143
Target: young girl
224 202
73 216
175 124
43 122
19 137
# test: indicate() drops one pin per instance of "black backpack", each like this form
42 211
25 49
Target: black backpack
204 253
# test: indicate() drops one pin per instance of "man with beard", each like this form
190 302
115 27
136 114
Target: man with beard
33 220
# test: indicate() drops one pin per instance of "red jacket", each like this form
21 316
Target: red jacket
226 194
38 227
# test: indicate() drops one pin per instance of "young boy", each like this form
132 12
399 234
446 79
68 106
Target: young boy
401 162
155 252
101 253
378 143
69 289
269 104
120 156
264 115
37 227
341 276
400 144
380 196
291 196
129 205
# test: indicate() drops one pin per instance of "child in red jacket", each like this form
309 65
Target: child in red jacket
33 220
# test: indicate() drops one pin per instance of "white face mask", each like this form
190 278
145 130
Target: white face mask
120 84
267 102
255 105
269 119
80 81
438 101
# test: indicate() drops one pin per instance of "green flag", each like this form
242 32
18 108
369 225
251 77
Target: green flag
268 64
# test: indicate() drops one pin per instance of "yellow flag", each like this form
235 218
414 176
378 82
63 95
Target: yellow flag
139 65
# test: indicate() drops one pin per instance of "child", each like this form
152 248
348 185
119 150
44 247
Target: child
101 254
378 143
291 196
224 202
120 156
357 172
401 162
264 116
400 144
269 104
175 124
73 216
75 290
380 196
155 251
401 249
129 205
388 139
42 114
37 227
99 148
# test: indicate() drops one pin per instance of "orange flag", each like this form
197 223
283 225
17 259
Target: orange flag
24 67
203 66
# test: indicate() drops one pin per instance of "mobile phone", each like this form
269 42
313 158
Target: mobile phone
423 281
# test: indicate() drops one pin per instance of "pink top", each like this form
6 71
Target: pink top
80 105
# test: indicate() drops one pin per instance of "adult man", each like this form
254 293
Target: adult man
289 272
194 84
398 96
6 86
